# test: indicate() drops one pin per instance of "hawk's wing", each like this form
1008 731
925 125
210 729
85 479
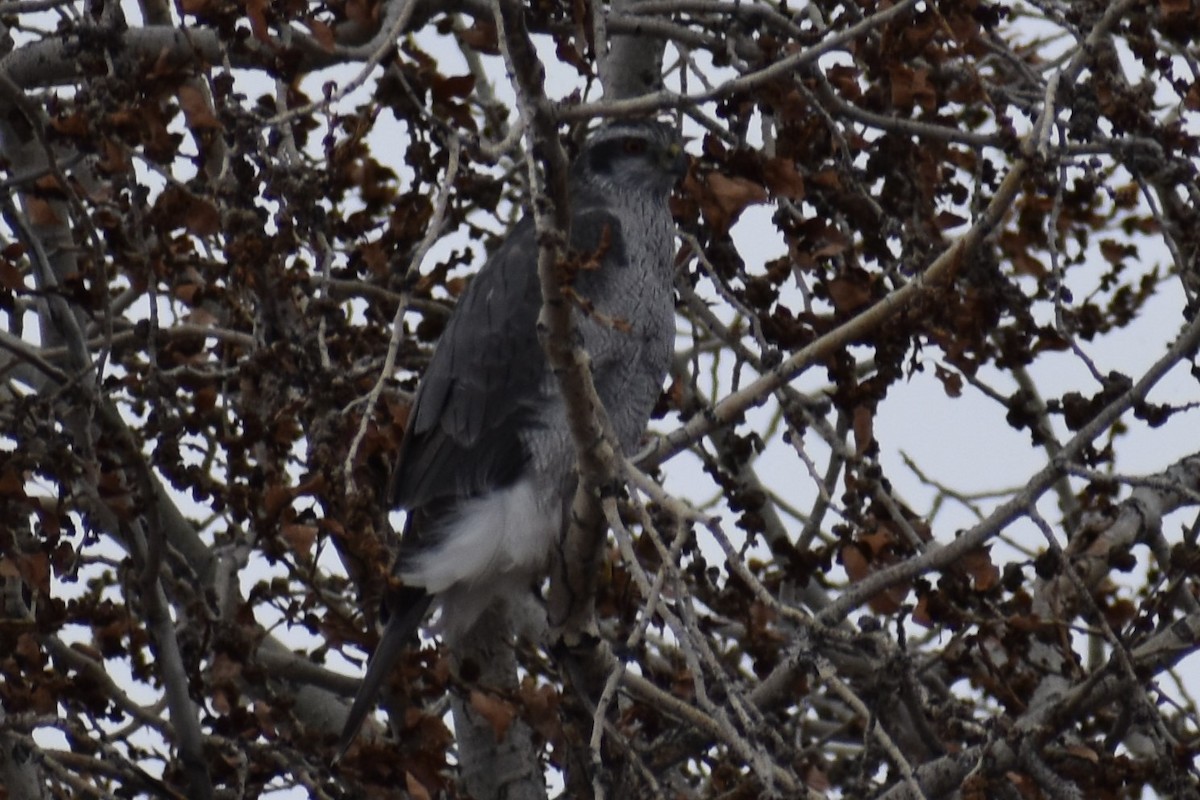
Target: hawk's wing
486 379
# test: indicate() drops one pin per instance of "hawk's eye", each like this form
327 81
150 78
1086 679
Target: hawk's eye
634 147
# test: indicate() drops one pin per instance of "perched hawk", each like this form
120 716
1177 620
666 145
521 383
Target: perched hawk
487 467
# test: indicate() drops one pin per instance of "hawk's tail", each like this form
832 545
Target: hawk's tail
400 626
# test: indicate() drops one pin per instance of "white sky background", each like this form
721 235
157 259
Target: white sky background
962 442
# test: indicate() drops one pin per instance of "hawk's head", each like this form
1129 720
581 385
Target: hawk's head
633 155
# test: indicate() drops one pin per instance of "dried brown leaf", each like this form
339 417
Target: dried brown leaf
29 650
322 33
482 36
202 217
11 277
363 12
783 179
952 382
978 564
300 538
920 614
73 125
35 571
197 111
415 788
912 88
1084 752
849 293
864 429
276 498
542 708
41 212
256 12
455 86
498 713
868 553
114 157
722 198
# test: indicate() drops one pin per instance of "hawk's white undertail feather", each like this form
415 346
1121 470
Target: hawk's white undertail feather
488 551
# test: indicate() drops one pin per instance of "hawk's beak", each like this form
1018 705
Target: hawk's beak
676 160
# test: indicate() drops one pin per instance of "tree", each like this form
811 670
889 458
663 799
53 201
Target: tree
233 232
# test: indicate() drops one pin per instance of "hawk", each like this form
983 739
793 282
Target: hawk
486 469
